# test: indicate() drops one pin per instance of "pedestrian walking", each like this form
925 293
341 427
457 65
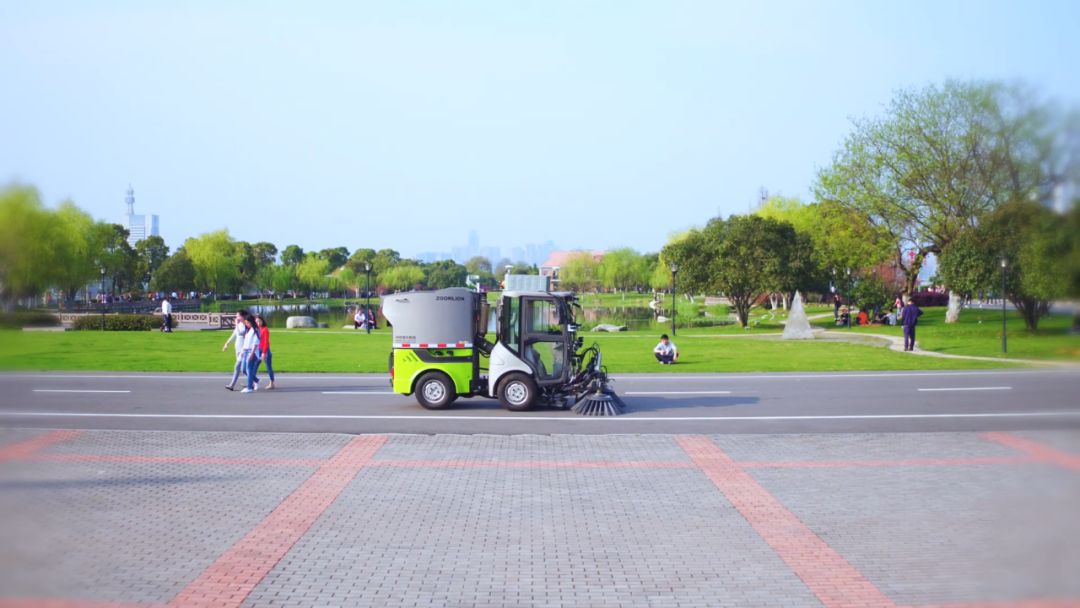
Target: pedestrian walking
237 336
264 353
166 315
250 354
909 318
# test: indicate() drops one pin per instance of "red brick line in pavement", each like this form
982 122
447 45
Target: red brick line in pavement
230 579
27 448
1038 451
834 581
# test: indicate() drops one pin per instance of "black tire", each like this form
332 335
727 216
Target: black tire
435 391
518 392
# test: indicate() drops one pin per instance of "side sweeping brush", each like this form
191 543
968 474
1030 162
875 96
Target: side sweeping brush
599 400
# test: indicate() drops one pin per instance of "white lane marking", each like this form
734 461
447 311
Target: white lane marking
681 377
358 393
568 418
967 388
633 393
72 390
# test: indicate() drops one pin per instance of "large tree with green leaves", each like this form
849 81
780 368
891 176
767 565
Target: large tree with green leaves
580 272
743 258
150 254
1036 246
176 273
940 158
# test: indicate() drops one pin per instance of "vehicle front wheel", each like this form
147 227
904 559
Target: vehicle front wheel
435 391
517 392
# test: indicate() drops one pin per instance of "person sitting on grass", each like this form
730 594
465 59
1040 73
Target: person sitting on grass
666 352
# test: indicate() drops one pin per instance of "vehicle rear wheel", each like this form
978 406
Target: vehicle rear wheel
435 391
517 392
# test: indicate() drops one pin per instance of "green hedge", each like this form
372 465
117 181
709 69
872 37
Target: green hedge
28 318
119 323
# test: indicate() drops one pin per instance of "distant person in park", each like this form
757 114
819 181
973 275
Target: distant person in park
166 315
845 315
666 352
250 354
237 336
898 304
836 303
264 354
370 319
360 318
864 319
909 318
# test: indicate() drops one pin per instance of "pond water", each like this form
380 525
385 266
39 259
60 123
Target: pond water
633 317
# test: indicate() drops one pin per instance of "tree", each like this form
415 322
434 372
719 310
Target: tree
248 264
402 276
292 255
580 272
1035 243
176 273
79 249
312 272
445 273
743 258
216 260
26 245
336 256
265 253
359 258
151 253
622 269
116 256
478 265
941 158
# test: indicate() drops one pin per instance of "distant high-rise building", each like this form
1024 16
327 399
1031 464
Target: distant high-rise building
139 226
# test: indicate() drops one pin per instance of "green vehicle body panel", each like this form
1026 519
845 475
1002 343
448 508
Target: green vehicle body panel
410 363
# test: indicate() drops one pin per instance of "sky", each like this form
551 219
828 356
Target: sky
406 124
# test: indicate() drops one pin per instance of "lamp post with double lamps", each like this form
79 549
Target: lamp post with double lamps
674 269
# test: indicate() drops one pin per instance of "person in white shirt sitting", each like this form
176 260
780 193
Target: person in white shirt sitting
666 352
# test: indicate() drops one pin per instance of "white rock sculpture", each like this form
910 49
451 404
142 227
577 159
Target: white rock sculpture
797 326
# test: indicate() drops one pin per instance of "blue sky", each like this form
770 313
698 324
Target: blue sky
405 124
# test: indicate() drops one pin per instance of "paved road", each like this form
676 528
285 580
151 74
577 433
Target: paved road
657 403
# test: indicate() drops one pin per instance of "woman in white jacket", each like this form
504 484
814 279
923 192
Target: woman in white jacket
250 354
237 336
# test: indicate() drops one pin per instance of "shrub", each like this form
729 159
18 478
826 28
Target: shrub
923 299
29 318
119 322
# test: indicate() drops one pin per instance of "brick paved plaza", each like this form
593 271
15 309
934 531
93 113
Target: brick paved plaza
120 518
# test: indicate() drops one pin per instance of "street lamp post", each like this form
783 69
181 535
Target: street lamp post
367 295
850 302
1004 344
101 298
674 270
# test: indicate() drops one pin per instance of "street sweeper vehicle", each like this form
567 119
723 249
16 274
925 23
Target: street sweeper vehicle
441 351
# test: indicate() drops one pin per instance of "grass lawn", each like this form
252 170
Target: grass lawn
979 333
704 350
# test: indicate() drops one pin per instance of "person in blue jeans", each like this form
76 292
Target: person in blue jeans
265 354
250 355
909 318
237 337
